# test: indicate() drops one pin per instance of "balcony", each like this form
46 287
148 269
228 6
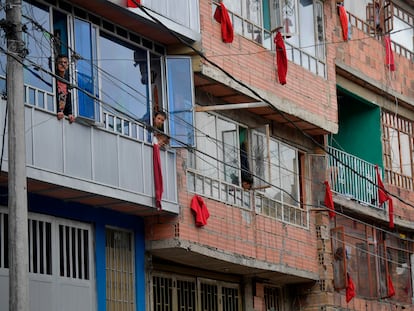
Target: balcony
105 164
353 178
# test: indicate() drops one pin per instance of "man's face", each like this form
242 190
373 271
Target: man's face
159 120
62 64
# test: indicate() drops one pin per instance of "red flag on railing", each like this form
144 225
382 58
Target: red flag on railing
281 58
391 290
343 17
389 55
221 15
199 207
384 197
159 187
133 3
350 288
329 200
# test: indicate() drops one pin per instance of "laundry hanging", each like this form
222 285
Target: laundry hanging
281 58
221 15
343 17
389 55
384 197
159 187
200 211
329 200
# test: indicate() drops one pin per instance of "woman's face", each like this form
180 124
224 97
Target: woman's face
159 120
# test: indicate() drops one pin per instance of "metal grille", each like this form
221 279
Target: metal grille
162 293
186 295
40 246
74 252
119 271
272 298
230 298
179 293
4 237
208 296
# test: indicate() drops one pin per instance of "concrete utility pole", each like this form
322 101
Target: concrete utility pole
18 236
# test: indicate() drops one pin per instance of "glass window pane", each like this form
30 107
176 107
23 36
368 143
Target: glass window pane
395 151
206 159
85 73
124 78
38 45
405 154
180 100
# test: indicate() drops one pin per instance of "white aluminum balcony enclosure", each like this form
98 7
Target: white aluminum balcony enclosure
353 178
106 164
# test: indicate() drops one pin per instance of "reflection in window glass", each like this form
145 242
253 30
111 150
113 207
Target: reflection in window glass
403 34
284 174
85 36
180 101
38 46
395 151
124 78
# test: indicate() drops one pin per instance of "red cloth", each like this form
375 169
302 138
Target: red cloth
389 55
391 290
200 210
159 188
329 200
350 288
132 4
222 16
281 58
343 17
384 197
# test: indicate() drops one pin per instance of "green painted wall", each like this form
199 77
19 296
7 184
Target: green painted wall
359 128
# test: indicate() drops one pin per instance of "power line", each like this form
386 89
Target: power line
201 54
95 97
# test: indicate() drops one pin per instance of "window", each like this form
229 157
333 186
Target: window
284 174
38 48
119 90
175 293
372 258
302 22
86 79
181 100
273 298
224 149
398 137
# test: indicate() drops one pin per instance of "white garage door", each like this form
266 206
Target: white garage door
61 266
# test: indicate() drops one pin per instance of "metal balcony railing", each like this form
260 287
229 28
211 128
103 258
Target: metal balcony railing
353 178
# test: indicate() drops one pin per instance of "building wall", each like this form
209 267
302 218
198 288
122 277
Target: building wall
251 63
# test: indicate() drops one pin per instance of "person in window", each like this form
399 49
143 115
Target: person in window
246 176
158 122
64 100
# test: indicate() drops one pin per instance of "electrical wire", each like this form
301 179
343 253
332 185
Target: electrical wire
201 54
115 109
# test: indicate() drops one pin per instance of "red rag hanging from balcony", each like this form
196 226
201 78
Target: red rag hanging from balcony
222 16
